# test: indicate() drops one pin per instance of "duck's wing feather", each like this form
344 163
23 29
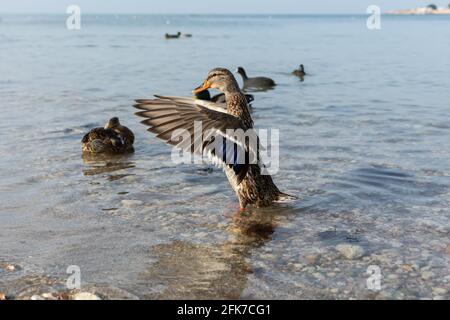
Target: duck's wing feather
165 115
190 101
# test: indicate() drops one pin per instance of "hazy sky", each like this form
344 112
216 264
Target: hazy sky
210 6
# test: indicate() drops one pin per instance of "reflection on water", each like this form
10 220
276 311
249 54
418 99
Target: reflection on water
95 164
185 270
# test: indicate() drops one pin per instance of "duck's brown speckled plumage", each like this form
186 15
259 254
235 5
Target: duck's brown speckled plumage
256 189
238 107
250 185
113 138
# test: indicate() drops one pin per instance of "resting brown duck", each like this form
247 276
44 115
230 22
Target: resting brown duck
166 115
112 138
300 72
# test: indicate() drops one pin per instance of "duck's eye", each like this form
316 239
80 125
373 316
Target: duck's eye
212 76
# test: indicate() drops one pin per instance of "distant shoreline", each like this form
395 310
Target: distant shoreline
421 11
408 12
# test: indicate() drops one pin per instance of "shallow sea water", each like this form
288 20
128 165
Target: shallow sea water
365 145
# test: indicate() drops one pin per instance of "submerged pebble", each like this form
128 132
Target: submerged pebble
312 259
85 296
49 296
427 275
132 203
439 291
318 276
350 251
12 267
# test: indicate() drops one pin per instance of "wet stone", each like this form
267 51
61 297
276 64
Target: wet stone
318 276
132 203
85 296
407 268
12 267
49 296
427 275
439 291
392 276
312 259
298 266
350 251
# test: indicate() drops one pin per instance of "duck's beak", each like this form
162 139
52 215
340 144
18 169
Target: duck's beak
205 86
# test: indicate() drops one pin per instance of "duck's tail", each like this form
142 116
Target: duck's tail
284 197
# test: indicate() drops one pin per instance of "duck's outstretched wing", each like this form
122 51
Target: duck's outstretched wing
205 124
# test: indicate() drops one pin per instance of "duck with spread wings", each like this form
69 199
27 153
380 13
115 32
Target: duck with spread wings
165 115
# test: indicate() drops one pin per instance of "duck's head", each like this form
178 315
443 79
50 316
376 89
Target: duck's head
112 123
242 72
220 79
302 67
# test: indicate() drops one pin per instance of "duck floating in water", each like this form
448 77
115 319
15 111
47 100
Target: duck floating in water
300 72
219 98
165 115
256 82
173 36
112 138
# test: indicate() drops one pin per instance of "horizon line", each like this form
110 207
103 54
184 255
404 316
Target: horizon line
193 14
